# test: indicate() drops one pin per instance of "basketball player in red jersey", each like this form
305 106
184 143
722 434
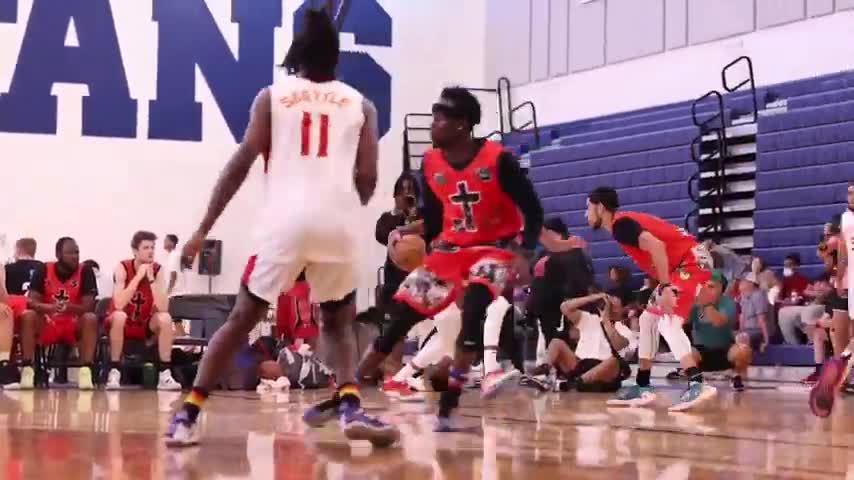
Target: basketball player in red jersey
681 265
474 207
61 303
319 137
140 309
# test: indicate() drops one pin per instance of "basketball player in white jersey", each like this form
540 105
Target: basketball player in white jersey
319 140
835 371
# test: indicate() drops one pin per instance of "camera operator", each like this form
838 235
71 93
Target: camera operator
405 213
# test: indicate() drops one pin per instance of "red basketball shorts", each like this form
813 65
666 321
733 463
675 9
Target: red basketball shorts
59 328
687 280
430 288
18 304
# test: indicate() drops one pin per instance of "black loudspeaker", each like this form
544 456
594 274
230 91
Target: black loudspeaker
210 258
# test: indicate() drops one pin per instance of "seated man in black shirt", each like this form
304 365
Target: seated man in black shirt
19 273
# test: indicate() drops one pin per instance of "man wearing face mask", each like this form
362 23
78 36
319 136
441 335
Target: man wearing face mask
794 283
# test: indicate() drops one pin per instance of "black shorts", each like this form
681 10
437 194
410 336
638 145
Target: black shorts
585 365
713 359
835 302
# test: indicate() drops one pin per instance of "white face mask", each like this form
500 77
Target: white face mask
788 272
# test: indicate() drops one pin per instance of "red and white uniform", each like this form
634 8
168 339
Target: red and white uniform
687 259
476 214
140 308
310 213
61 327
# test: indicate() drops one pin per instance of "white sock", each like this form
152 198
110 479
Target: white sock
4 356
407 371
492 331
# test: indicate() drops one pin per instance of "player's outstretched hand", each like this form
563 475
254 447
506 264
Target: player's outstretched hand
192 247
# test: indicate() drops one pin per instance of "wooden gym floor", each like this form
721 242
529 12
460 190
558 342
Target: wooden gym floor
765 432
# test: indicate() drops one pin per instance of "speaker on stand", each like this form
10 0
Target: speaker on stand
210 261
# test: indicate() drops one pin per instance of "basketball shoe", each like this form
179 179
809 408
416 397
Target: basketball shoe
823 394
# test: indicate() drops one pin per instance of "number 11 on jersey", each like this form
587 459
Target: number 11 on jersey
307 122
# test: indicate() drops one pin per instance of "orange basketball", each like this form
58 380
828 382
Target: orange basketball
408 252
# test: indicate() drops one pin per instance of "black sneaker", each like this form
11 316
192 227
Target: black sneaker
737 384
10 377
538 382
677 374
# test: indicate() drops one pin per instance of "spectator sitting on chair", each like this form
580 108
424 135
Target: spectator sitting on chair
802 303
140 309
753 320
62 306
19 273
713 321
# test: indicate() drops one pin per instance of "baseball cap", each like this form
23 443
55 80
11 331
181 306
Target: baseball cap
719 278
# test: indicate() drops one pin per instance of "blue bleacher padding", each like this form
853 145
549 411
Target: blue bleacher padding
675 191
818 195
795 217
825 175
775 255
636 143
821 98
625 131
561 167
805 137
623 178
820 155
789 355
808 117
786 236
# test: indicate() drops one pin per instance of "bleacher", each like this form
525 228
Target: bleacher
804 156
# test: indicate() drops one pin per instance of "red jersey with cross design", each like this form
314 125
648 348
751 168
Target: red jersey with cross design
62 291
141 305
476 211
679 244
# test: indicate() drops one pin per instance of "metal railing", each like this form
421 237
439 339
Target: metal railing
750 80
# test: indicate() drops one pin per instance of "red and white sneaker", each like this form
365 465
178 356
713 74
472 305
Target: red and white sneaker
495 381
823 394
401 391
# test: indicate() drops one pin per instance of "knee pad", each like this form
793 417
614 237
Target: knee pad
475 302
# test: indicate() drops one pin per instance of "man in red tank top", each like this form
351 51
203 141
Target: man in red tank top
140 309
681 265
60 309
476 201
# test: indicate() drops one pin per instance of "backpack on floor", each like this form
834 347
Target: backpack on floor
303 370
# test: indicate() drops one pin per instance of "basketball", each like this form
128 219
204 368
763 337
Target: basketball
408 252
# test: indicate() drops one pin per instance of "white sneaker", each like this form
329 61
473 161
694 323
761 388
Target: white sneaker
84 379
280 384
417 384
28 378
114 379
493 382
166 382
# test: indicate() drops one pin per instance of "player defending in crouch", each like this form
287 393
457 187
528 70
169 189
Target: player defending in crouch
319 137
681 265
